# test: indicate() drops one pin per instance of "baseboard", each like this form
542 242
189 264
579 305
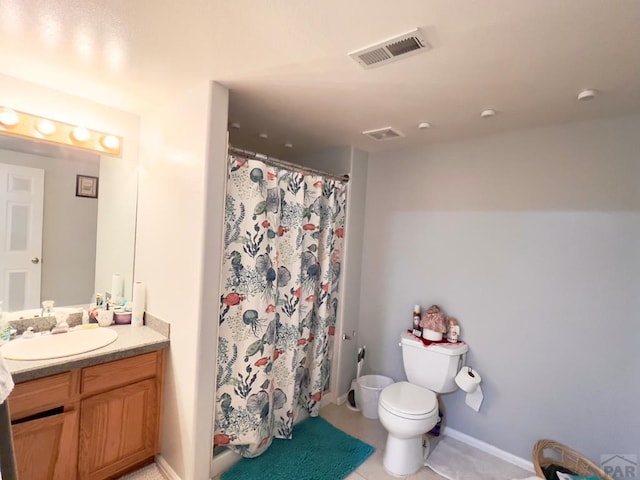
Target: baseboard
166 469
327 399
342 399
488 448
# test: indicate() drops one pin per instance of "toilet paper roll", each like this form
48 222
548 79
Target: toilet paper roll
117 286
474 399
139 303
468 379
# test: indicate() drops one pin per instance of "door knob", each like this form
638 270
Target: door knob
35 260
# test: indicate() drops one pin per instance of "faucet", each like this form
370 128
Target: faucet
29 333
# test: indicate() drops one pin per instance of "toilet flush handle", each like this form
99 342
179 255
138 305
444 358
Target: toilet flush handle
349 337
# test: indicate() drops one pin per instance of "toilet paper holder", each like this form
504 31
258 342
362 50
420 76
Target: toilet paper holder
469 381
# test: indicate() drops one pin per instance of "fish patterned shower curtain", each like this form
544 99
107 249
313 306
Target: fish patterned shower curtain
282 260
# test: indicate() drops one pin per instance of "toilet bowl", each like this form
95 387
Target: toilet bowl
409 409
407 412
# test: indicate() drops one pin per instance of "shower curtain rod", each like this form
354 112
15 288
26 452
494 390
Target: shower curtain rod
288 165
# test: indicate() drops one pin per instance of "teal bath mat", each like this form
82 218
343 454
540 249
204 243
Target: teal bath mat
317 451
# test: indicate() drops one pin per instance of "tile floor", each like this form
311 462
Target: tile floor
150 472
370 431
373 433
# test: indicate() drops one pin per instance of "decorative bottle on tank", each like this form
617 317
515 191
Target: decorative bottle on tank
417 330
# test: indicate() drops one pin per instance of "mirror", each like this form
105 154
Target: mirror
85 240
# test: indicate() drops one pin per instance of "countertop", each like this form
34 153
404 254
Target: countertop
131 341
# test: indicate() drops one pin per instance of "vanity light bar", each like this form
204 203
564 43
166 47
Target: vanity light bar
13 122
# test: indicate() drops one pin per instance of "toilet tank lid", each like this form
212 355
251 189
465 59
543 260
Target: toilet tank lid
443 348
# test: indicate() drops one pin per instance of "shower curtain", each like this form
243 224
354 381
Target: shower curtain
282 260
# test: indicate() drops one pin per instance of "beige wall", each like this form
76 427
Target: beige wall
182 172
177 224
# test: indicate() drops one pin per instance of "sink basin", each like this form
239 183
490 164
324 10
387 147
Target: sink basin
60 345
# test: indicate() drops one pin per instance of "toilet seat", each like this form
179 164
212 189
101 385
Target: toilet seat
409 401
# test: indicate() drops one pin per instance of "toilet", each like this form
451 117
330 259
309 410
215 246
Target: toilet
408 410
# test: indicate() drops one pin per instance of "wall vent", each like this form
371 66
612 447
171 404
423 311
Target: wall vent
381 134
391 50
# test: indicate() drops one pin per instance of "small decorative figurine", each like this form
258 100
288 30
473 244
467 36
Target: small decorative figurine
453 332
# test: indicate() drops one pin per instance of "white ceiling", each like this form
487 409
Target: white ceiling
286 63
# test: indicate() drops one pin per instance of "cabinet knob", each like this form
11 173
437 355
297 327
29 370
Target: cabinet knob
35 260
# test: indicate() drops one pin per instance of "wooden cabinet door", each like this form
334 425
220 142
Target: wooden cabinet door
118 429
47 448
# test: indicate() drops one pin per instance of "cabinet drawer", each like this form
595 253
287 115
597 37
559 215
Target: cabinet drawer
121 372
47 448
35 396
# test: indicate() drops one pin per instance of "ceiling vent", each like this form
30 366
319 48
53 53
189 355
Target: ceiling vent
391 50
380 134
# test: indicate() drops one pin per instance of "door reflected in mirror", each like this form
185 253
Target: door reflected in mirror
56 245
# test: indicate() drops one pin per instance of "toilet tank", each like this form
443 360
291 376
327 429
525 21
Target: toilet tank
433 367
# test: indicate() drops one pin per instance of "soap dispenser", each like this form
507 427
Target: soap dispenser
47 308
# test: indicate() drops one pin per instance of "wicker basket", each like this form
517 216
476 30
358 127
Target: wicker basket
563 456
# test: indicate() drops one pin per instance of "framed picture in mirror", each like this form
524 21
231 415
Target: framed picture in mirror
86 186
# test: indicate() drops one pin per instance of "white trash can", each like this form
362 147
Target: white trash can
370 388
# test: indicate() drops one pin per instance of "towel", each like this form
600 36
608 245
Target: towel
6 382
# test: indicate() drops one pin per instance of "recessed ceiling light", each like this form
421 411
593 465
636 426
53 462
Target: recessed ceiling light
489 112
235 125
288 145
585 95
264 135
424 125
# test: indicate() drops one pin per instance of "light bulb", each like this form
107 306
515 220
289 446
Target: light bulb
9 117
110 142
80 134
45 127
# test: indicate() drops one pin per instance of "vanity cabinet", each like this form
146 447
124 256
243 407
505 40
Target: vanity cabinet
91 423
119 415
